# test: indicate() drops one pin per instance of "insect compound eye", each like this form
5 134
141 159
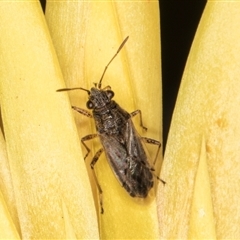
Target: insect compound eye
110 94
89 105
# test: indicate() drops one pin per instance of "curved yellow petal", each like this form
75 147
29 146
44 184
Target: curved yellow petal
50 182
86 35
6 186
207 105
202 223
7 227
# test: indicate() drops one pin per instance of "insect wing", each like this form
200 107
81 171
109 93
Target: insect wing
128 160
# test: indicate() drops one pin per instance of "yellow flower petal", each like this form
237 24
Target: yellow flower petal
86 35
6 183
207 105
50 181
202 224
7 227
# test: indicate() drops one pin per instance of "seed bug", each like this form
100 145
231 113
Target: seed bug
120 141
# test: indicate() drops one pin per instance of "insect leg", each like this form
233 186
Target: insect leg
82 111
94 160
140 114
154 142
86 138
90 136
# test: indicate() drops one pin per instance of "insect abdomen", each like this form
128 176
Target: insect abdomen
128 160
139 180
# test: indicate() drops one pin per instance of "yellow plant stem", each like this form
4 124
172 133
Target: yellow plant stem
50 182
207 105
86 35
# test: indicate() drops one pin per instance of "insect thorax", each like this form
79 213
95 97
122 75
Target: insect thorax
110 118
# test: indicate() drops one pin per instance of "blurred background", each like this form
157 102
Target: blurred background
179 21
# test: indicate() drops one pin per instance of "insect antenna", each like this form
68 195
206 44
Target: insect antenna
70 89
119 49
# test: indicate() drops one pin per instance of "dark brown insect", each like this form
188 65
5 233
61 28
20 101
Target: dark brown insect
121 142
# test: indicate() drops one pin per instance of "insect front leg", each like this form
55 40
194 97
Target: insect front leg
82 111
140 114
94 160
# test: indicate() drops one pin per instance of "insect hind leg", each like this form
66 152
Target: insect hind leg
154 142
93 162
